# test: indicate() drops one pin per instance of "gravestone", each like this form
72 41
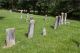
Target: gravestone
21 11
10 11
31 27
44 31
45 18
56 22
21 15
59 20
62 18
65 18
27 17
10 37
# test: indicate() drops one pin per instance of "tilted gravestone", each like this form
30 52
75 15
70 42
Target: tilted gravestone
31 27
10 38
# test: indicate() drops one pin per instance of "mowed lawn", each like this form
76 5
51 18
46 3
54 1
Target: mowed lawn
65 39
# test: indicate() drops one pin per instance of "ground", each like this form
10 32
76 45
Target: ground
65 39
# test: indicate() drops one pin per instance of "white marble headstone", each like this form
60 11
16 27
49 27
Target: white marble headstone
45 18
65 18
59 20
10 11
56 22
27 17
31 28
44 31
62 17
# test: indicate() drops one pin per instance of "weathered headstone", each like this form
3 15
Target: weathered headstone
10 11
10 38
31 27
62 18
45 18
65 18
56 22
27 17
21 15
59 20
44 31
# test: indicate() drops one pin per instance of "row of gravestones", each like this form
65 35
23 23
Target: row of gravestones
61 19
10 32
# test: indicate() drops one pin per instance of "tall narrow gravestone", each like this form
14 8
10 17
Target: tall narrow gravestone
31 27
27 17
65 18
59 20
62 18
44 28
56 22
10 38
21 15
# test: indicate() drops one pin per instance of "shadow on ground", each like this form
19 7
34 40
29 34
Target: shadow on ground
1 17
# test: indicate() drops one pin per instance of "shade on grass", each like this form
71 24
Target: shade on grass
56 41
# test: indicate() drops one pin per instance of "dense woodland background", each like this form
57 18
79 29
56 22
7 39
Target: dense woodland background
52 7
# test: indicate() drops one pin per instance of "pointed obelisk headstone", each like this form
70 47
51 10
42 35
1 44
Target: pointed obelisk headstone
31 27
10 38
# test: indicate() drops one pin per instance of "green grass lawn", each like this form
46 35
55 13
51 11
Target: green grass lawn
56 41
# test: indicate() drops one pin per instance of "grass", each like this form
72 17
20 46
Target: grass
56 41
